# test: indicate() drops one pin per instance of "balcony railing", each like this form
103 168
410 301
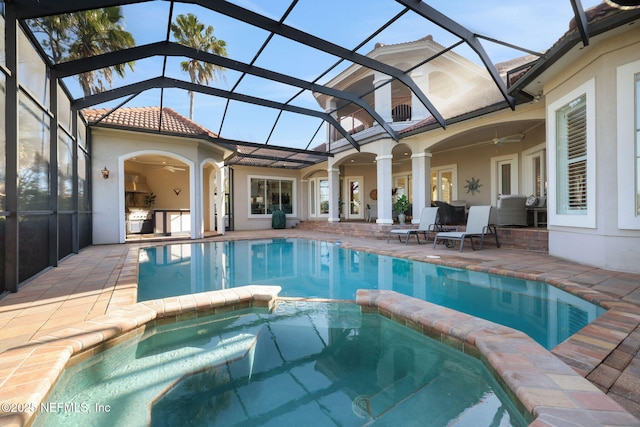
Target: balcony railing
355 122
360 120
401 108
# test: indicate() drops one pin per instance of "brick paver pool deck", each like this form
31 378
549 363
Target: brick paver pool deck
65 301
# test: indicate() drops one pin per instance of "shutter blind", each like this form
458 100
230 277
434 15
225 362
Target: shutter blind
537 175
571 147
577 157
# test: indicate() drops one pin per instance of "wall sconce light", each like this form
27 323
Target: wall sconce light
177 191
105 173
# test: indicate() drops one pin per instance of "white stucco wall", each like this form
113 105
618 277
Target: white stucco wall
602 241
111 148
241 208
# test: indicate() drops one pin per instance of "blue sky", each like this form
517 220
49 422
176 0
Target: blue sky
534 25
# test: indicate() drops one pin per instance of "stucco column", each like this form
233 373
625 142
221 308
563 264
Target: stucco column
334 194
384 164
222 174
418 110
421 171
331 106
383 96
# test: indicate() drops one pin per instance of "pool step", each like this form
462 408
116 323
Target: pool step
443 399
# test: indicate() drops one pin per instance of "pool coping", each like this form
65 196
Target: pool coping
586 351
32 371
550 393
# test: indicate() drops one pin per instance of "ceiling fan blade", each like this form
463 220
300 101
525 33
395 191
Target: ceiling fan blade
507 139
172 168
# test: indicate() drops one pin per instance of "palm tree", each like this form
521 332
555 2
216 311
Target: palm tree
54 29
85 34
188 31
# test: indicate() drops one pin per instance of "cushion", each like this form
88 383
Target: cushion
542 202
531 201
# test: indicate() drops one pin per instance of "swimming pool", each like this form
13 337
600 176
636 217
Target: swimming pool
305 363
319 269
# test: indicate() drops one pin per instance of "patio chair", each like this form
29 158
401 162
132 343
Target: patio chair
511 210
477 226
372 209
427 224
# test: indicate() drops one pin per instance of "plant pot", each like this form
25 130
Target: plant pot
402 218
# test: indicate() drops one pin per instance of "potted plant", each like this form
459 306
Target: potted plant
401 205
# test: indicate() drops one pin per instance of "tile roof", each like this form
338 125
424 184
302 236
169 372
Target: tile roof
148 118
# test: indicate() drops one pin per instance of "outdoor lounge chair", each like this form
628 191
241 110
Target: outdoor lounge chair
427 224
477 226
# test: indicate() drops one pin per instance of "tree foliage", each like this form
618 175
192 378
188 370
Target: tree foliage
189 31
85 34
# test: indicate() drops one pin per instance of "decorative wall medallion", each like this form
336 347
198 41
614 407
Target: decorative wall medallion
473 186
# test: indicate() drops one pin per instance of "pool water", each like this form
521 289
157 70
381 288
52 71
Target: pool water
305 363
319 269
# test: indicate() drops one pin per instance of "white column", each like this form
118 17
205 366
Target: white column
330 106
334 194
222 174
383 96
418 110
421 171
384 165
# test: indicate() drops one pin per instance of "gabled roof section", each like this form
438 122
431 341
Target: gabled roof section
163 120
169 122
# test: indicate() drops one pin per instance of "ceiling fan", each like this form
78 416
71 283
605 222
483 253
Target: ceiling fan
172 168
506 139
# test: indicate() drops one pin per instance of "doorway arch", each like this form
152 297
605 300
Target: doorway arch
169 177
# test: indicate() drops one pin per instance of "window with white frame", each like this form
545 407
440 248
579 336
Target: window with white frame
571 136
534 161
628 145
444 186
636 156
319 197
504 175
269 193
571 156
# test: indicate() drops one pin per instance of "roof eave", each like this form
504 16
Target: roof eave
569 41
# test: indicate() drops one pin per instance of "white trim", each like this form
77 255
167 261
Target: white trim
528 184
211 210
193 187
454 180
315 201
515 185
347 194
589 219
626 113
